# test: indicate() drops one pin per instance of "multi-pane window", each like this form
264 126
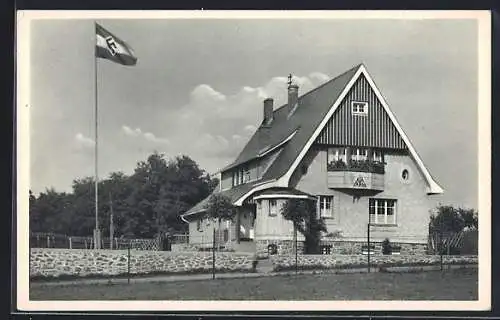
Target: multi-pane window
246 174
336 154
359 108
326 206
377 156
273 207
241 175
382 211
359 154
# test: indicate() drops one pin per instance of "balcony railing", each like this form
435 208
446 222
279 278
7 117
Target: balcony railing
357 166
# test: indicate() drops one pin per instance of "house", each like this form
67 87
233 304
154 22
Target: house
339 145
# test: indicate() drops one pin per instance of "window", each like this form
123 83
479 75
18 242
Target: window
326 206
359 108
246 177
240 176
359 154
377 156
405 174
336 154
198 225
273 208
382 211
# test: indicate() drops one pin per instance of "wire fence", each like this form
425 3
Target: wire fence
58 241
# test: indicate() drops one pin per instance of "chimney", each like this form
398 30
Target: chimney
268 111
293 94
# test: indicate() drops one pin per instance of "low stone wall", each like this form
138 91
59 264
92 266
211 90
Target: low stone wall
283 247
305 262
84 263
352 247
337 247
183 247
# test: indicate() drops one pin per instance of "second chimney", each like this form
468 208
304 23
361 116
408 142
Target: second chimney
268 111
293 96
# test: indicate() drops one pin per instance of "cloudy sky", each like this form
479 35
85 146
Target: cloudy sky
198 88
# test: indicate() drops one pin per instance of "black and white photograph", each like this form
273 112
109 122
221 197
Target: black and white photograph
258 160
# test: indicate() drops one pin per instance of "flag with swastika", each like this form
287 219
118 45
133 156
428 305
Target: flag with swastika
110 47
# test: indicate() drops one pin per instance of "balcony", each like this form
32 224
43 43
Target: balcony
356 174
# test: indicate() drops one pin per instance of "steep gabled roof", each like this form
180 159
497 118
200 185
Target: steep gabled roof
296 133
315 109
312 107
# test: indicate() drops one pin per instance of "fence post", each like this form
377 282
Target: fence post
296 250
368 234
213 256
128 264
441 249
70 244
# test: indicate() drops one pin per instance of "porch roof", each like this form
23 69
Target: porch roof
233 194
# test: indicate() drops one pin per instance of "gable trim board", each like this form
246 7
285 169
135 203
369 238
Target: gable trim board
283 181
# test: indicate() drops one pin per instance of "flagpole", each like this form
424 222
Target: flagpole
96 231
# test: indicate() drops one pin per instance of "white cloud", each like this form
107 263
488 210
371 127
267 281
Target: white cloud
151 137
84 141
319 78
131 132
205 93
137 132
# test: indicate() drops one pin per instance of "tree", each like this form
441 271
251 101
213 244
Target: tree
469 217
302 214
48 212
220 207
145 204
450 220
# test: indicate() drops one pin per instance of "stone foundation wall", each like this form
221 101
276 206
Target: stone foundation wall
284 262
285 247
352 248
81 263
183 247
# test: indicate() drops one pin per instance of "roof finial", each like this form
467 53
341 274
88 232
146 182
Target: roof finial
289 80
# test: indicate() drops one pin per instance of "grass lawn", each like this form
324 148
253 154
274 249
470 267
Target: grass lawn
430 285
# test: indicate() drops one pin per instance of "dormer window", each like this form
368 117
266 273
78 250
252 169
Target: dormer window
241 175
359 108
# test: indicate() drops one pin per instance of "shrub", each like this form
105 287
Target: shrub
386 247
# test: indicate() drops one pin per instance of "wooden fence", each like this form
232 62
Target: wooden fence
463 242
